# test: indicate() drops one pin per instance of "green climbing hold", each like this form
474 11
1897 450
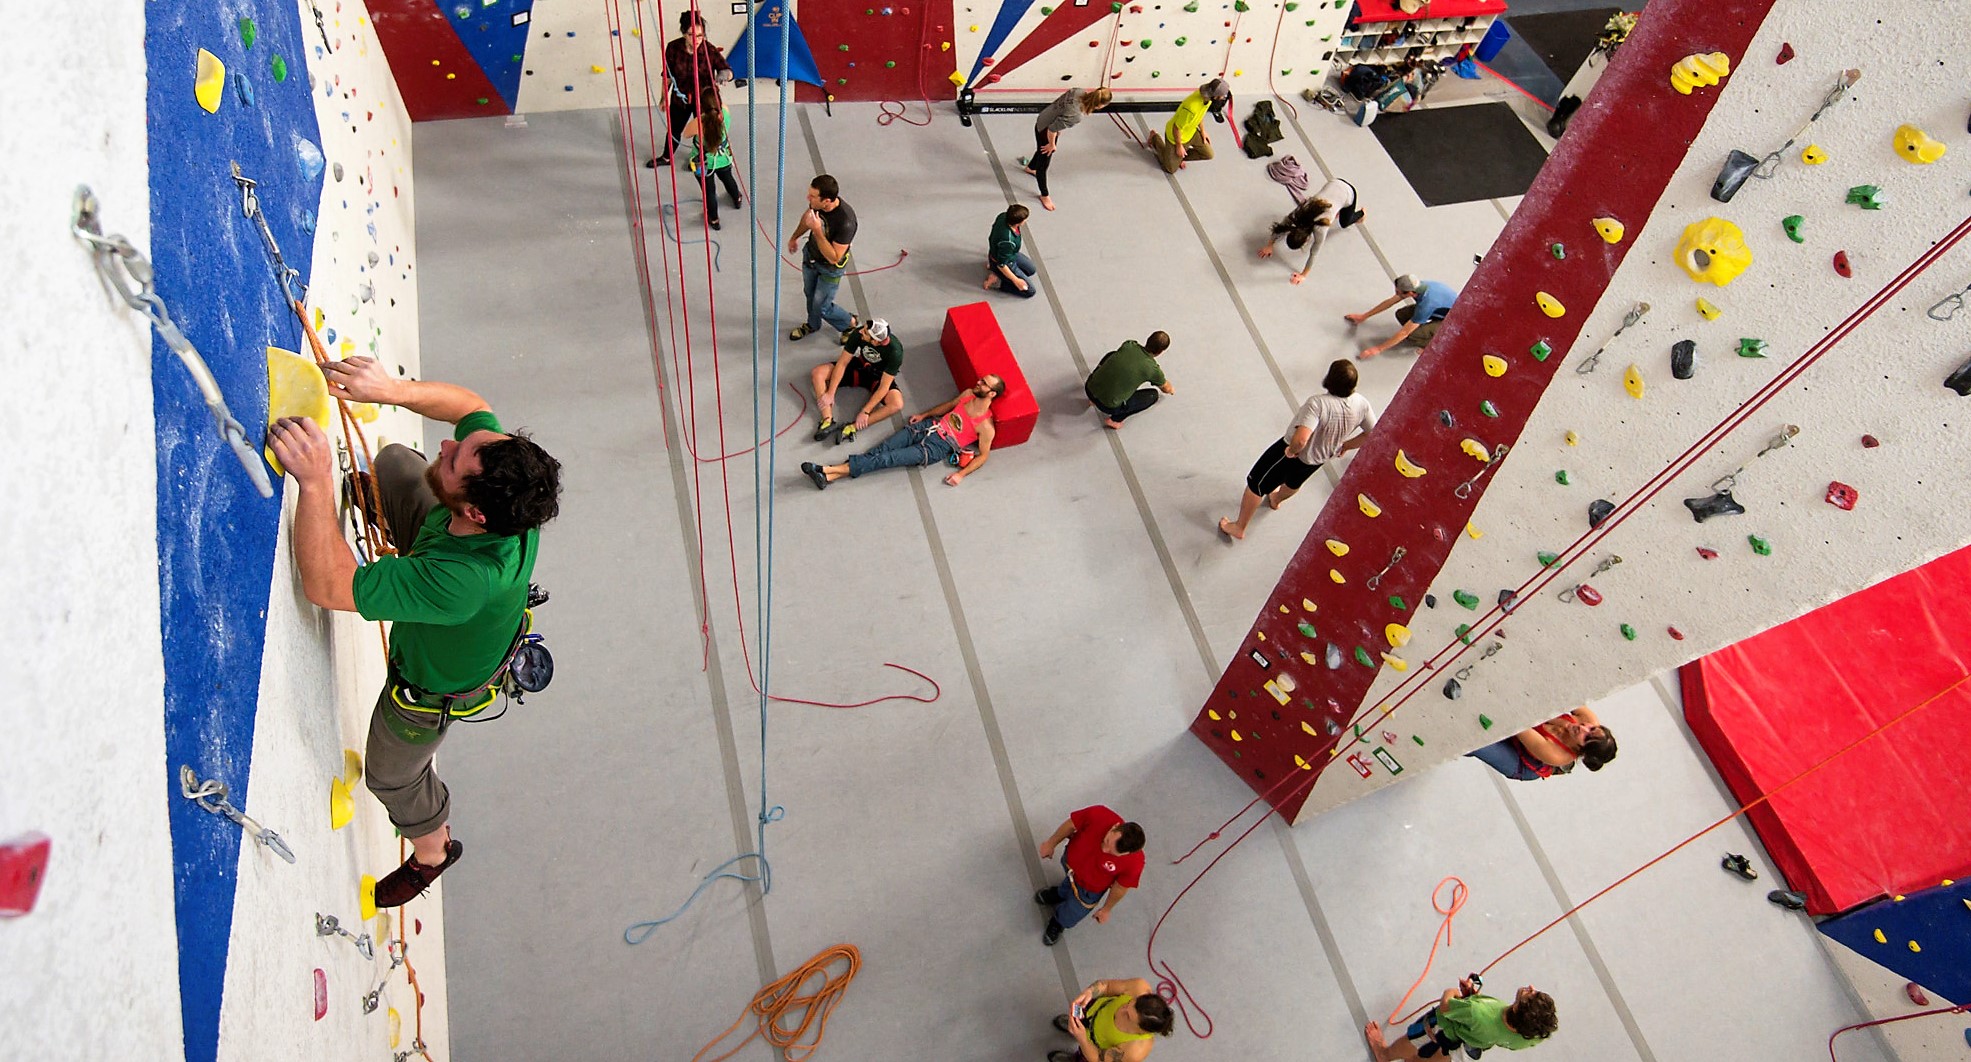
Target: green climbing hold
1540 349
1307 628
1486 407
1416 739
1560 477
484 101
1240 5
1485 722
1144 44
247 32
841 81
1628 632
1398 603
1192 6
1866 196
1791 224
1464 633
841 47
1465 598
1559 250
890 65
1362 657
1751 348
1180 41
280 68
1046 10
1760 546
869 11
1156 73
1292 5
1547 560
1115 9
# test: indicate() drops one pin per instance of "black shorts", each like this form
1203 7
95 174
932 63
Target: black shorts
865 375
1275 469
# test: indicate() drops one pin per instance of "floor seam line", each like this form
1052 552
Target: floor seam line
1330 947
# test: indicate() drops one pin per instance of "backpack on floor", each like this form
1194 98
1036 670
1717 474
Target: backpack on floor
1262 130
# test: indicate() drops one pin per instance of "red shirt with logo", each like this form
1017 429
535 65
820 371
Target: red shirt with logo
1095 870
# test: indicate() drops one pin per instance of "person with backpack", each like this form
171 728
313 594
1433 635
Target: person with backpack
1310 222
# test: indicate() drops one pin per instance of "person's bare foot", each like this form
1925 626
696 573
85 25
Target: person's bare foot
1112 425
1229 529
1377 1042
1047 201
1272 503
991 281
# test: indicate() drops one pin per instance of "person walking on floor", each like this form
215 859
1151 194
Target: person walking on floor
466 527
945 435
1006 268
871 357
1309 224
1327 426
1420 320
829 225
709 152
1118 388
1463 1018
1114 1021
695 69
1184 136
1056 118
1104 857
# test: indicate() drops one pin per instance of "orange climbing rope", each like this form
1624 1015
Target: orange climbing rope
1459 894
410 972
786 998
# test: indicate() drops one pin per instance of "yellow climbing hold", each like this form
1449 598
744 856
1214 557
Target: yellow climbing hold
1477 450
1397 635
1311 732
1915 145
1409 468
1302 764
1368 506
595 68
1699 70
1474 532
973 29
366 897
366 412
956 78
1236 737
1278 693
1713 251
1880 937
1573 439
1610 229
352 766
1262 636
1708 311
944 46
1309 658
295 388
1914 946
1309 605
1337 547
210 86
1214 716
1632 382
1396 662
341 807
1813 155
1495 365
1337 576
1549 305
396 1027
1238 73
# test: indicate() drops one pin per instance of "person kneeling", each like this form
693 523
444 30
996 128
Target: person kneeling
938 436
1006 268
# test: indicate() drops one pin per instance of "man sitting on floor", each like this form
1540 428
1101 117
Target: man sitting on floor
940 436
871 358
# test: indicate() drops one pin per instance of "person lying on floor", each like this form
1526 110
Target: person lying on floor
944 435
1551 748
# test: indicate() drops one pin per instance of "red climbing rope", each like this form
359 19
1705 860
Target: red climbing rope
1459 893
924 54
1960 1009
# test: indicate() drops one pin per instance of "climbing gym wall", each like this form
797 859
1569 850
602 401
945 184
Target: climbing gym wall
455 59
165 625
1521 534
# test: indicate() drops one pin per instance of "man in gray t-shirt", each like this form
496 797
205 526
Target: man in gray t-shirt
1063 114
1326 426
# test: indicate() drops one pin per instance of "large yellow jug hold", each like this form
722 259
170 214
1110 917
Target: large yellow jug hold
1368 506
295 388
1549 305
1610 229
1914 145
1713 251
341 807
1698 70
209 87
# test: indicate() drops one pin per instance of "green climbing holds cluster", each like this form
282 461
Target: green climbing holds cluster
1465 598
1628 632
1760 546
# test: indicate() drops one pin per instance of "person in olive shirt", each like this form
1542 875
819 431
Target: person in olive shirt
871 357
1117 384
1006 268
1463 1018
829 225
466 530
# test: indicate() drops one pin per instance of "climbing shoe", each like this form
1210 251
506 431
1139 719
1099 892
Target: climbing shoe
1740 866
1047 897
800 332
826 426
1789 899
1061 1023
408 882
1053 934
815 473
847 433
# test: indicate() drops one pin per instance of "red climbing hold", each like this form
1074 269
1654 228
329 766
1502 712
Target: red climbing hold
1707 554
23 863
1588 595
1785 54
992 79
1841 265
1675 633
1916 994
987 61
1841 496
321 994
1871 442
1094 44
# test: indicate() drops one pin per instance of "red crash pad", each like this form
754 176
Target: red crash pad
1892 816
973 347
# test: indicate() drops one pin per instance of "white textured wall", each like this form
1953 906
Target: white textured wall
1884 380
92 972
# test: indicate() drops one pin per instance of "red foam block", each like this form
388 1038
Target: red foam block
974 346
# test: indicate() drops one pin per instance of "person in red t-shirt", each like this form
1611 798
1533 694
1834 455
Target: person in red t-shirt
1104 856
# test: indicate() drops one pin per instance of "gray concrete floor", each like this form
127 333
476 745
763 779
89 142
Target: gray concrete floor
1074 602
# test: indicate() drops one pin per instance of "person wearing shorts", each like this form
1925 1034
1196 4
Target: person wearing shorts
1326 426
1465 1019
871 358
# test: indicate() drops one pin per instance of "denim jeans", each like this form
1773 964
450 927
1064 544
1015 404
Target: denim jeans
1139 400
913 445
1076 903
818 283
1503 757
1022 267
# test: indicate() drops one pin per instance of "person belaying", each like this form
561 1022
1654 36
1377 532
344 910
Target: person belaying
466 527
949 434
1310 223
1464 1018
829 226
1114 1021
1552 747
695 69
1104 858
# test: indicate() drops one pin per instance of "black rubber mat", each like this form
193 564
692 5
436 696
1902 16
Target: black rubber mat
1562 40
1461 154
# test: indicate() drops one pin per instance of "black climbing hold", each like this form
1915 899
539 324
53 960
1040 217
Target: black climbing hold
1508 600
1960 381
1683 359
1563 113
1719 504
1738 166
1453 689
1430 600
1448 420
1598 510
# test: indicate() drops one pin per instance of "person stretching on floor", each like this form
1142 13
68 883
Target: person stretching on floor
1551 748
1419 320
1463 1018
1326 427
1310 222
1114 1021
871 357
938 436
1063 114
1006 268
1117 386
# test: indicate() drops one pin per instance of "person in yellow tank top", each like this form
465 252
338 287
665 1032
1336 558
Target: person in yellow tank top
1114 1021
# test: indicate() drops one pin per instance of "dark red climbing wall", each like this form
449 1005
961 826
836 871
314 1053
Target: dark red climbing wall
1619 152
435 74
914 35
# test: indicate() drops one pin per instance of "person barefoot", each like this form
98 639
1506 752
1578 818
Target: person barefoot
1046 201
1235 532
1326 426
1378 1045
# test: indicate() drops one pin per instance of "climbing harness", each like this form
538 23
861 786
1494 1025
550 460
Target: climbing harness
211 795
133 283
1395 558
1947 308
1588 364
528 667
1499 452
1610 561
330 926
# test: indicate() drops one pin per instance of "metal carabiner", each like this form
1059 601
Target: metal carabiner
1499 452
1950 304
1395 558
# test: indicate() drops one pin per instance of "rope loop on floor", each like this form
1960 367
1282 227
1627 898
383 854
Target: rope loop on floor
786 1014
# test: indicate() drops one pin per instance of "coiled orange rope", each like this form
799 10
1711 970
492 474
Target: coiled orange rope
778 1004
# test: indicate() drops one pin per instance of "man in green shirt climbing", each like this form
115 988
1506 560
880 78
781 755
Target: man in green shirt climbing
1463 1018
466 530
1117 386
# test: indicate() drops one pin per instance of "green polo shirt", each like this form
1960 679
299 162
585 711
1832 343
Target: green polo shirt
1004 243
1480 1021
455 601
1121 372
